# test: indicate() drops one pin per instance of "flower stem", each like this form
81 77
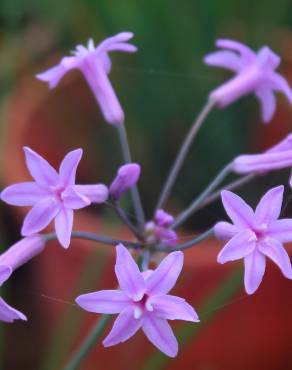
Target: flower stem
94 237
124 218
193 206
183 152
187 244
134 191
233 185
89 342
144 260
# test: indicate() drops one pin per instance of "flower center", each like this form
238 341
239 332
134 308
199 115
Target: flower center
58 190
260 231
142 306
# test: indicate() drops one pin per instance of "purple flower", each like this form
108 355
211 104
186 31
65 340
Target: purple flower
255 235
52 195
126 178
95 65
276 158
142 302
7 313
23 251
254 72
15 256
158 230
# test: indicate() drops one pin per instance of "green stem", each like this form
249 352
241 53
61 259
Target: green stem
233 185
183 152
96 238
188 244
134 191
88 344
124 218
193 206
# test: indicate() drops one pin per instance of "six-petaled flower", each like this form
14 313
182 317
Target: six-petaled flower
254 72
254 236
52 195
95 64
142 302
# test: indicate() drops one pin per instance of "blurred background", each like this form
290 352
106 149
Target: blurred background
162 88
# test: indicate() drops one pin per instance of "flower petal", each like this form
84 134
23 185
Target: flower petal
164 277
170 307
23 251
104 93
269 207
68 167
39 216
279 83
267 161
239 212
254 269
5 272
97 193
111 42
246 53
224 59
125 326
23 194
9 314
74 200
241 245
281 230
268 103
53 75
273 249
63 226
159 332
42 172
225 230
104 301
128 274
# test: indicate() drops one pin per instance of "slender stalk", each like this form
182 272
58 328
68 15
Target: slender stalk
134 191
97 238
233 185
193 206
188 244
88 344
124 218
183 152
145 259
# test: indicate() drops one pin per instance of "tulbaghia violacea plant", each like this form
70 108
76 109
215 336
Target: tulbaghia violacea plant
141 299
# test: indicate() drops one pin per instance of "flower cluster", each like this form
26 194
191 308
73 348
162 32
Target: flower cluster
142 300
